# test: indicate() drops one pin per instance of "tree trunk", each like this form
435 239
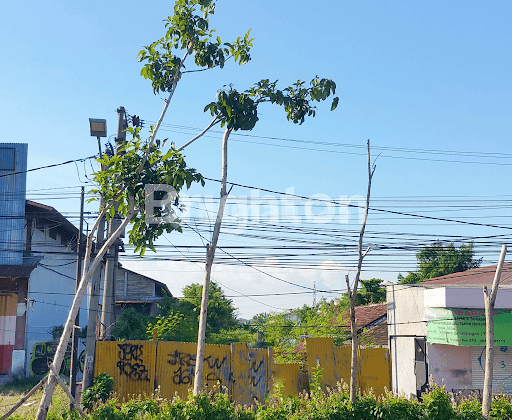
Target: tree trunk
353 294
75 307
210 254
490 300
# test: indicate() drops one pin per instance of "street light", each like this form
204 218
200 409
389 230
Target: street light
98 129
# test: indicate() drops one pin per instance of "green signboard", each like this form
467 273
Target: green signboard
466 327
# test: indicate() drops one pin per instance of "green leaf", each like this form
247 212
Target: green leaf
334 103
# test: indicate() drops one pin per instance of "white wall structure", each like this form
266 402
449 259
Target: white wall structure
51 285
407 332
465 297
458 367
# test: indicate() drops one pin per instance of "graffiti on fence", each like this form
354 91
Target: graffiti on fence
186 363
254 375
43 353
131 363
214 364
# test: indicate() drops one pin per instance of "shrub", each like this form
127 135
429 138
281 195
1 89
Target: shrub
501 409
102 387
399 408
437 406
470 410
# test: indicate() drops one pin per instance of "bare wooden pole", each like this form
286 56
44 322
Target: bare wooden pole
490 300
353 293
210 254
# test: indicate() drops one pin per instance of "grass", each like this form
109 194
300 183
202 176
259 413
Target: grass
12 393
20 386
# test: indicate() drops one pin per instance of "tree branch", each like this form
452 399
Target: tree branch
215 120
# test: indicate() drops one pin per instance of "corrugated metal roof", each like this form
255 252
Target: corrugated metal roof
13 158
477 277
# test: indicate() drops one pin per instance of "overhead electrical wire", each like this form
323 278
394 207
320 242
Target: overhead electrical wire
48 166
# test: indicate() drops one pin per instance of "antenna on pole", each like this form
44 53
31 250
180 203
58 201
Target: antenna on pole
314 292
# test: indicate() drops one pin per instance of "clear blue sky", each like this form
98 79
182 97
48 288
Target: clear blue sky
432 76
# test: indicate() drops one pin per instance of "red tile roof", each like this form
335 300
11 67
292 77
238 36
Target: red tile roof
477 277
376 336
367 314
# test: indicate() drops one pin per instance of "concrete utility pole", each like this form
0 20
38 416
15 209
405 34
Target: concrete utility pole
90 343
490 300
94 300
109 285
74 335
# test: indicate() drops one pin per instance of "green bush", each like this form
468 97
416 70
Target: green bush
319 404
393 407
501 409
470 410
102 387
436 405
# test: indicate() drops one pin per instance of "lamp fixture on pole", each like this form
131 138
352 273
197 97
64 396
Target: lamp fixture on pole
98 129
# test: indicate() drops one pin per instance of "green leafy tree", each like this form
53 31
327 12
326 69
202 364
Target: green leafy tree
285 331
441 259
123 177
221 312
174 326
371 292
131 325
177 319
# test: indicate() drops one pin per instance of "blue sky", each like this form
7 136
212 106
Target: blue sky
425 77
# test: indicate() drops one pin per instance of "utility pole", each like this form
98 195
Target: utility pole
490 300
90 343
109 284
74 335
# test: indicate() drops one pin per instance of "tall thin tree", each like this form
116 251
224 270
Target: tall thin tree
352 292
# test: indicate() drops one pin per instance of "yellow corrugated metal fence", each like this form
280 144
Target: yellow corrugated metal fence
246 374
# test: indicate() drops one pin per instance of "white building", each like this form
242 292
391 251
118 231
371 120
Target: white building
51 287
438 328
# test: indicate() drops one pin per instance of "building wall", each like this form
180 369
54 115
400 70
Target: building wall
406 310
502 368
405 322
403 377
458 367
130 285
51 292
450 365
12 198
465 297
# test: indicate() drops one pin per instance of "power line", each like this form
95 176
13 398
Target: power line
370 208
49 166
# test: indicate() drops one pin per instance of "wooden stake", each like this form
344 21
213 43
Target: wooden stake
490 300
